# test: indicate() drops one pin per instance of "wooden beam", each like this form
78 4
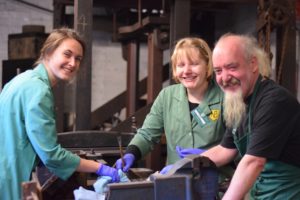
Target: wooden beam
286 51
179 23
140 28
83 23
155 67
180 20
58 21
116 4
132 77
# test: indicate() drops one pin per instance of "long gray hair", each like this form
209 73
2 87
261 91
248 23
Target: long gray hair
251 48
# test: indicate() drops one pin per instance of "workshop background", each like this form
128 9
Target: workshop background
107 58
116 89
130 44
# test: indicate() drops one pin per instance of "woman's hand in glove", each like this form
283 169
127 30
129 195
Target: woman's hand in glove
184 152
128 159
105 170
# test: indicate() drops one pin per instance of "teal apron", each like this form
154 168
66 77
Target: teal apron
278 180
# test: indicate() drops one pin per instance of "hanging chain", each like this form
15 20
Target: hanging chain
273 14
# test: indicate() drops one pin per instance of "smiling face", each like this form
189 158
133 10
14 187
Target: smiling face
63 63
233 71
191 69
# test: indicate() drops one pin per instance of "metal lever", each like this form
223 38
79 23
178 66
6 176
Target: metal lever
119 138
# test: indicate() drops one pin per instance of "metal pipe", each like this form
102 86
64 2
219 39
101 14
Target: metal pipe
35 6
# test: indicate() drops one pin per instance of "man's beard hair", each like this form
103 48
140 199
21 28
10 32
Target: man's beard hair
234 108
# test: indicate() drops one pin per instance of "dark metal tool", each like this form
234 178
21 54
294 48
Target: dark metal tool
119 138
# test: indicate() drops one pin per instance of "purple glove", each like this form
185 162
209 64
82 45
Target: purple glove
128 162
105 170
184 152
166 169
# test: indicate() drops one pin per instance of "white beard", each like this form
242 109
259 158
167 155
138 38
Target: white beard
234 108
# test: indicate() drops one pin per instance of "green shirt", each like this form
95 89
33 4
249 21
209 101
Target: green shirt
170 114
28 132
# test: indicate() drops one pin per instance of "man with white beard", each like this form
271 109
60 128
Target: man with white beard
234 107
263 124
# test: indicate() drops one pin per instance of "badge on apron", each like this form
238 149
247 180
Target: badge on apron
214 115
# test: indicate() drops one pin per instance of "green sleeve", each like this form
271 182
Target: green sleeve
41 130
152 129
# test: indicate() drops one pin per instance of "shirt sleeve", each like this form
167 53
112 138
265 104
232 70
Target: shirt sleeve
152 129
41 130
227 140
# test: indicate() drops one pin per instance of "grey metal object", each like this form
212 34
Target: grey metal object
93 139
94 144
194 177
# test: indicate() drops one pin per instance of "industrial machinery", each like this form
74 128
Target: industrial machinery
102 146
194 177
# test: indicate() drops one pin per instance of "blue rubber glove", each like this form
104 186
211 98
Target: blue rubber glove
166 169
105 170
184 152
128 162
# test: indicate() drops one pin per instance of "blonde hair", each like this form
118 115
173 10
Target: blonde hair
56 37
185 45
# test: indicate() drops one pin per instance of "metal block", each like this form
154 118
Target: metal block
192 178
174 187
131 190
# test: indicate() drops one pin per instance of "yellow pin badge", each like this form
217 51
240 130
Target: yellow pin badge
214 115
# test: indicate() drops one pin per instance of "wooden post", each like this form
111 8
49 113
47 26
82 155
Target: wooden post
83 24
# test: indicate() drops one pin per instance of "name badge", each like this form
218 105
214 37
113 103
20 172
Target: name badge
200 117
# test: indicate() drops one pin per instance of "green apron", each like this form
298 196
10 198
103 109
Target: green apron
278 180
225 172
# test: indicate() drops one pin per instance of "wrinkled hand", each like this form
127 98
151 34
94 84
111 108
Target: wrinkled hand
105 170
184 152
166 169
128 162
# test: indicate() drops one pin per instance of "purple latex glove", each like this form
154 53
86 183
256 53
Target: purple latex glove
166 169
105 170
128 162
184 152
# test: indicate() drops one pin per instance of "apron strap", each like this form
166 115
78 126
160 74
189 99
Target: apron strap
242 142
257 84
